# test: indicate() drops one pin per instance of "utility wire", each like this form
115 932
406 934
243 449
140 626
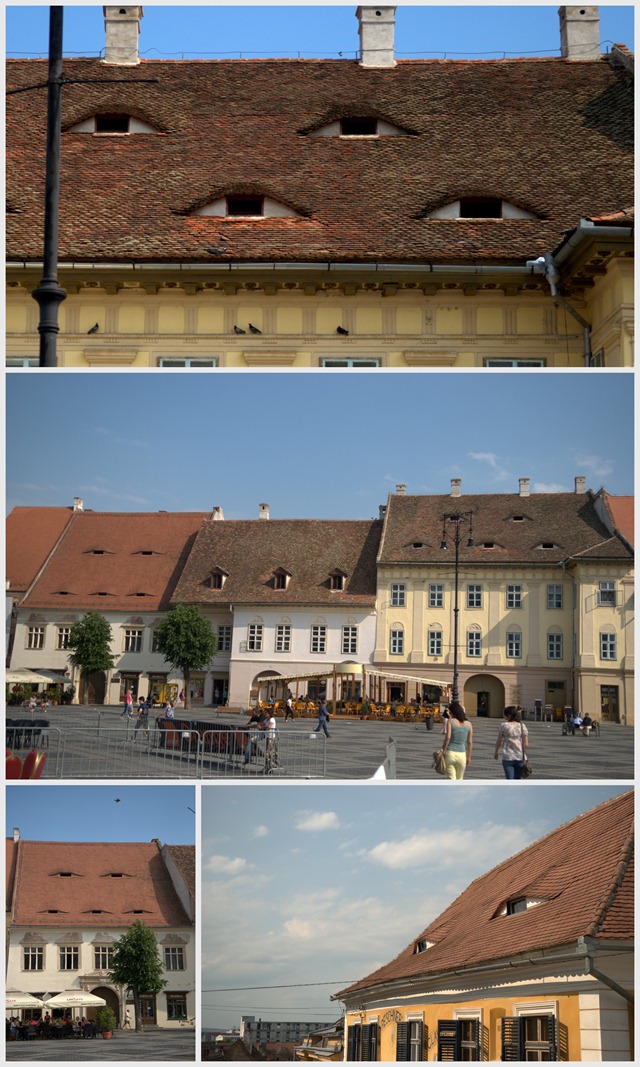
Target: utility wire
293 985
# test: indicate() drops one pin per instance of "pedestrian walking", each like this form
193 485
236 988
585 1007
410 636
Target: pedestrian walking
458 743
513 739
127 711
323 719
142 722
288 709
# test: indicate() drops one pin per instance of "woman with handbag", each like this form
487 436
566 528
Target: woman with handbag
513 738
458 743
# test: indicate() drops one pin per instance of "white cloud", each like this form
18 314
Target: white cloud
260 831
486 846
317 820
226 865
492 460
595 464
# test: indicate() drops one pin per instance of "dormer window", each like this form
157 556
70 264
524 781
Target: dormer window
517 905
112 123
423 945
217 578
281 578
547 545
337 581
480 207
246 206
357 126
364 127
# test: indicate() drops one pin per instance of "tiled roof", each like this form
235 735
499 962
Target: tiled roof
583 874
308 549
621 511
122 554
31 535
144 892
184 857
548 135
515 525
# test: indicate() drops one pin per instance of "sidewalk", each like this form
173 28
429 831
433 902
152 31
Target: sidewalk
125 1046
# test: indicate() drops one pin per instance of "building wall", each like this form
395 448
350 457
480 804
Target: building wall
609 307
403 320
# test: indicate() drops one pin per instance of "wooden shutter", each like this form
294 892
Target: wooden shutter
402 1043
553 1037
353 1034
476 1032
448 1040
512 1039
370 1042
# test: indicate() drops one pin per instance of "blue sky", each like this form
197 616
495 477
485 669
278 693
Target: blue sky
311 445
90 813
311 30
322 884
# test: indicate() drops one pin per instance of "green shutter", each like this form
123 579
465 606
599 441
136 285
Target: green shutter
512 1039
448 1043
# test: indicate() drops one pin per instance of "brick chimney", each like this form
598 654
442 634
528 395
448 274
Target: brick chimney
376 28
217 514
456 486
579 33
263 511
122 29
524 486
581 483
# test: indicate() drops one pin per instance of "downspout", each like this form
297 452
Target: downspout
547 265
604 978
563 564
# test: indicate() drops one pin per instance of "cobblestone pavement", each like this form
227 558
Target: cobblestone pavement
357 748
129 1047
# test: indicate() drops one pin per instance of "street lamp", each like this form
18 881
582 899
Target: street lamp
458 519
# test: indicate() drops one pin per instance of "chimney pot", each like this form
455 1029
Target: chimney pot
382 511
16 833
217 514
581 483
122 29
264 511
376 27
401 489
524 486
579 33
456 485
78 503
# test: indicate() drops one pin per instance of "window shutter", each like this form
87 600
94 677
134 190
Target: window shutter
352 1043
448 1043
402 1043
512 1034
553 1040
370 1042
424 1042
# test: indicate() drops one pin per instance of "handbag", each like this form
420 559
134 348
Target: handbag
526 770
439 761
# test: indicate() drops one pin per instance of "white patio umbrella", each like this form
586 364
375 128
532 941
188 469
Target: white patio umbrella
23 674
14 999
75 998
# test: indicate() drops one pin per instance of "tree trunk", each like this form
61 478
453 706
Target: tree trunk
137 1014
187 678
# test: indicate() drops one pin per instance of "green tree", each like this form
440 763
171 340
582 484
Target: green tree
137 965
187 641
90 641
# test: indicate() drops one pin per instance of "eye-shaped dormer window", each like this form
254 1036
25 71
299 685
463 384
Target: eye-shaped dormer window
480 207
112 123
241 206
358 126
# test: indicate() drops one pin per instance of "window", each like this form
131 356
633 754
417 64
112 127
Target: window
192 362
436 596
133 640
530 1037
396 642
336 581
434 642
281 579
254 640
514 362
112 123
176 1005
33 958
102 957
318 638
69 957
224 639
154 641
358 127
514 596
460 1040
349 640
35 637
607 646
398 596
63 633
607 594
15 361
474 596
514 907
174 958
514 644
474 643
216 580
554 646
283 637
411 1041
554 596
245 205
354 363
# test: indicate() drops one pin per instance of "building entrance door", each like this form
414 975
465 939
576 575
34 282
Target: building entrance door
148 1009
609 703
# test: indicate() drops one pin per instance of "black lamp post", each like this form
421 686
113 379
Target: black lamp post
458 519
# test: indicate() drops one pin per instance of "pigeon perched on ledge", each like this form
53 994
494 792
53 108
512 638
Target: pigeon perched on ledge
341 330
94 329
254 329
238 329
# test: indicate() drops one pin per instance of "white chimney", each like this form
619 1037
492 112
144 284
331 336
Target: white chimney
401 489
456 485
376 27
581 483
122 29
264 511
16 833
524 486
382 511
78 503
217 513
579 33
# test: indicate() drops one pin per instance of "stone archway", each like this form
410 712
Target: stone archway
484 695
265 685
112 999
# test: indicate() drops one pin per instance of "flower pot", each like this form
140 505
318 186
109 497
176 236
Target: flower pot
107 1034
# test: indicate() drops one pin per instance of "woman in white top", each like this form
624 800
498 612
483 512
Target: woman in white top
514 740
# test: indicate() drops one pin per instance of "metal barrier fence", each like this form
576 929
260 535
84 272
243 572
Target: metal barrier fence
127 752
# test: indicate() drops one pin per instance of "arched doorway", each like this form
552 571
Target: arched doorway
112 999
92 688
484 696
265 685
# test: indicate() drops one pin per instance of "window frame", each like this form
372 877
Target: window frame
224 637
555 650
66 953
608 645
398 595
350 362
434 643
174 954
513 648
554 592
189 362
436 595
514 596
474 596
255 636
396 642
349 640
132 639
318 638
35 638
31 952
474 643
283 637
